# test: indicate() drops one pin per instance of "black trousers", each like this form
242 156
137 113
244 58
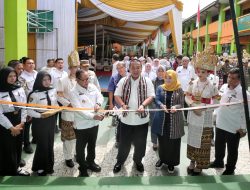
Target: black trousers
10 147
43 131
85 137
136 134
26 134
232 140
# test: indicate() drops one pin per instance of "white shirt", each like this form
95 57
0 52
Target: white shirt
231 118
85 98
185 76
151 75
93 79
48 69
65 85
56 75
114 69
132 118
41 98
27 80
20 97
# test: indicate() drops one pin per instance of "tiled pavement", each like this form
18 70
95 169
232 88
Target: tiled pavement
106 157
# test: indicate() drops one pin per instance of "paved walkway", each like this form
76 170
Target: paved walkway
106 157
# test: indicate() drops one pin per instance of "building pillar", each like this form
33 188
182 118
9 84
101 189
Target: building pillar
220 22
15 26
237 13
207 36
191 42
185 48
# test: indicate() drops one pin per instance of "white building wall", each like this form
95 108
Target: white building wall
1 33
60 42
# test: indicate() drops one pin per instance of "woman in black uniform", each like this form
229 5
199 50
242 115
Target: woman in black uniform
43 124
11 123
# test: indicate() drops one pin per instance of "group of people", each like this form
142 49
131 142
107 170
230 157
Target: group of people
136 93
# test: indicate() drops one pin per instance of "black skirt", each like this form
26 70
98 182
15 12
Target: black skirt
43 132
10 147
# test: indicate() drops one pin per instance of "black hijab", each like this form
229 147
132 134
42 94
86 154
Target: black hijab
38 84
4 85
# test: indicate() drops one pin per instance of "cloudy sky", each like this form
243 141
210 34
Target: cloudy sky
190 7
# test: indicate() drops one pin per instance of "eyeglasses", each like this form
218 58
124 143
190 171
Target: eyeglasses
83 80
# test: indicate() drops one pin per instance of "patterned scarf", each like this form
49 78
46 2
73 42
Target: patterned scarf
142 93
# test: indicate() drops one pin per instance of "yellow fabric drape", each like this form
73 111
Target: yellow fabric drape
138 5
171 22
174 85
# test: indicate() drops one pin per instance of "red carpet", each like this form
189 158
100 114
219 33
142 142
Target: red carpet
103 73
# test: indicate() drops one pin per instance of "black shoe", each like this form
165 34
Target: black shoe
21 172
190 171
22 163
228 172
28 149
159 164
139 167
43 173
69 163
83 174
117 167
50 172
94 167
171 169
216 165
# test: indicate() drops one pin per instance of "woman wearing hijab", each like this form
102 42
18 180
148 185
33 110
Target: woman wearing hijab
43 124
157 82
11 123
169 124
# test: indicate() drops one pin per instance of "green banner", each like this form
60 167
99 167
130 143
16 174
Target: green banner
244 23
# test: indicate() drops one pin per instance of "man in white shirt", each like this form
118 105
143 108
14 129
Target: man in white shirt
49 67
230 123
115 60
185 74
58 72
86 95
27 79
84 65
64 86
133 92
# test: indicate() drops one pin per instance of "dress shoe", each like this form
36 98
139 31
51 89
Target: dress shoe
228 172
21 172
159 164
50 172
94 167
190 171
216 165
28 149
117 167
83 174
139 167
171 169
43 173
22 163
69 163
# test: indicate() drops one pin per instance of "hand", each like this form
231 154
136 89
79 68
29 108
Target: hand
241 132
140 109
164 107
198 112
111 106
97 108
15 131
173 109
70 106
98 117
